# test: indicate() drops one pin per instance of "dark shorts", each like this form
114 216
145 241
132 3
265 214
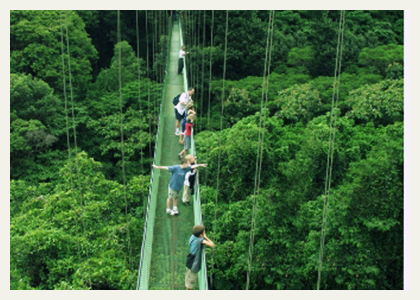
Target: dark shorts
180 65
178 116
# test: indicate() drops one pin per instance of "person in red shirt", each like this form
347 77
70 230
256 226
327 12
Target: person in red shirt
189 110
187 135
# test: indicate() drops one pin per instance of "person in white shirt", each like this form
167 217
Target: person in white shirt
184 100
182 53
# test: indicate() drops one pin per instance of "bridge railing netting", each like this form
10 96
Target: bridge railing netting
165 238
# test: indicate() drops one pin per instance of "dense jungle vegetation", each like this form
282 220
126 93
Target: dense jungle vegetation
73 225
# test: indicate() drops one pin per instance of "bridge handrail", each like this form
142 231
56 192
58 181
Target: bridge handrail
198 216
146 247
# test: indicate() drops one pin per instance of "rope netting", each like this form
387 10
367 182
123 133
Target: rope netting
165 240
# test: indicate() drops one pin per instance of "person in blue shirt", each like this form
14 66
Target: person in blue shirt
177 182
197 242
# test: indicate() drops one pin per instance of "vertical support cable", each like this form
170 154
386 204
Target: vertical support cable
221 131
329 168
139 95
68 141
122 140
197 53
259 154
202 70
155 70
210 74
75 147
190 45
148 86
160 46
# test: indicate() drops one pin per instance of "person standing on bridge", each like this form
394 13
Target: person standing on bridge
177 182
181 58
184 100
189 180
189 110
197 242
187 135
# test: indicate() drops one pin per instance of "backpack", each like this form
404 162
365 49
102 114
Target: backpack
176 100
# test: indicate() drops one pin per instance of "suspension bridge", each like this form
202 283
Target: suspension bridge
165 241
165 238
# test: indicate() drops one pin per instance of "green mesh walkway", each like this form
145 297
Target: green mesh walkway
165 245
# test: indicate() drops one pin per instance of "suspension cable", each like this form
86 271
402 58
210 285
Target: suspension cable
122 141
190 44
139 95
155 71
197 52
193 46
266 95
148 86
68 138
75 147
160 46
210 72
202 69
220 132
210 75
259 151
330 156
221 119
210 79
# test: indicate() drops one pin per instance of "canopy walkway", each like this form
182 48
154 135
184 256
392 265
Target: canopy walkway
165 240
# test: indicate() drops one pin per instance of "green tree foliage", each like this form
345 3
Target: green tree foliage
35 39
302 30
102 28
381 57
303 57
290 208
394 71
245 44
29 136
28 139
136 138
376 27
237 105
108 79
103 94
69 228
139 112
348 83
368 166
243 97
37 129
300 102
33 99
382 102
370 204
57 243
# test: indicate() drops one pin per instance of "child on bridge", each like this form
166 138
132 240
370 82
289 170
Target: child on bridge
189 181
177 182
197 242
187 135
